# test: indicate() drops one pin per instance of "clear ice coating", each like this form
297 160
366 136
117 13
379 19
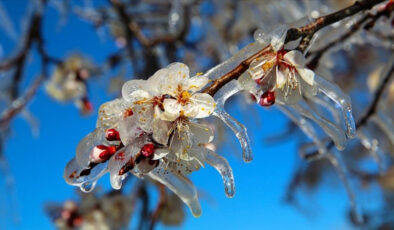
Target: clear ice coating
336 160
85 146
306 127
342 100
85 182
223 167
181 186
325 102
239 129
333 131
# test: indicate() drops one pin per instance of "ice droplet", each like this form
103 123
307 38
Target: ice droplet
88 186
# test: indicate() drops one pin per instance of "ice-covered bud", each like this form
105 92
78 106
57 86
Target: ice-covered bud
101 153
127 167
128 112
148 150
267 98
112 135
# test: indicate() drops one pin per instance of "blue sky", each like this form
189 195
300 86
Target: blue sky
37 162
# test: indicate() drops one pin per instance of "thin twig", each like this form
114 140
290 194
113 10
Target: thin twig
323 21
291 35
18 104
369 18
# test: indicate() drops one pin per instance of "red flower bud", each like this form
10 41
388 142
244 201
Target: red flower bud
267 99
148 150
112 135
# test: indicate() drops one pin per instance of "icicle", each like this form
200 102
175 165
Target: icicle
72 175
306 127
223 167
181 186
372 144
343 101
336 160
335 133
385 123
239 130
88 186
325 103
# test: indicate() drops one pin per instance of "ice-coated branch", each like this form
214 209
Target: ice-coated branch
19 104
292 34
134 30
388 73
323 21
378 93
369 18
33 36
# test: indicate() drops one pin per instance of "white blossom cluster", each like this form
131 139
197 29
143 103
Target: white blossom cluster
155 129
152 131
69 82
93 212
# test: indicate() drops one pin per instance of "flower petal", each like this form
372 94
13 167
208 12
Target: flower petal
204 103
202 134
172 110
160 153
307 75
161 131
154 82
110 113
195 83
295 58
281 78
130 87
177 73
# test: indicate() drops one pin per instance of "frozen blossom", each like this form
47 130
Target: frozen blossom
281 76
153 131
69 82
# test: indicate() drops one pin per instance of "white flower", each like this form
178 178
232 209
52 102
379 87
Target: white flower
283 72
172 93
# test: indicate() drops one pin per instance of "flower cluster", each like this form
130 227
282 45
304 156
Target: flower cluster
152 131
104 212
280 75
69 82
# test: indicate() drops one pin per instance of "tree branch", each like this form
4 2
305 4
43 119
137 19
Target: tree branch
291 35
369 18
321 22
